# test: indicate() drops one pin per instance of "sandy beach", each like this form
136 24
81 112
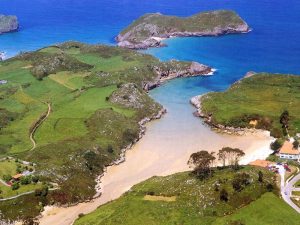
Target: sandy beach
164 150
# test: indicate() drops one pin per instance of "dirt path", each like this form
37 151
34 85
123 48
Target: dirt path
4 183
37 126
19 195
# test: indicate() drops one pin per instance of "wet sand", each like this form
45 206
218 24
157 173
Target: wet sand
164 150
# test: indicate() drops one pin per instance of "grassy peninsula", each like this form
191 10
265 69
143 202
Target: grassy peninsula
71 109
257 101
183 198
145 31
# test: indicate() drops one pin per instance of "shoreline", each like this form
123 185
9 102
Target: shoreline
122 155
158 42
98 179
150 157
196 102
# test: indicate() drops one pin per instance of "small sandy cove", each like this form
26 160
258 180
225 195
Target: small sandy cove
165 149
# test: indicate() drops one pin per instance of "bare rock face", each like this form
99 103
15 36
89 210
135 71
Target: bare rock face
174 69
150 29
8 24
129 96
250 74
198 68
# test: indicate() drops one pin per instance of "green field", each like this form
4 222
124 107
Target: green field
96 99
262 97
267 210
184 199
7 192
7 168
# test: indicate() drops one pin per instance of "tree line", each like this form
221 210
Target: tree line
203 161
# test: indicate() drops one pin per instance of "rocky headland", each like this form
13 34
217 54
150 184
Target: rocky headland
150 29
238 109
175 69
207 118
8 24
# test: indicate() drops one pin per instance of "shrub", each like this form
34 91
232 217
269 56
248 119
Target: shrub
7 177
41 191
25 180
15 186
260 176
223 195
35 179
276 145
81 215
129 135
110 149
296 144
240 180
270 187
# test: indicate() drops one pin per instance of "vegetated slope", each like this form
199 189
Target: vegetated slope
269 209
143 32
97 99
262 97
183 198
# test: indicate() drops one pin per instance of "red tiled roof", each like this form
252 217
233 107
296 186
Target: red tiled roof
287 148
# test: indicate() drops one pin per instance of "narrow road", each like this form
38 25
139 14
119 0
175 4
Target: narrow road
37 126
4 183
286 190
25 193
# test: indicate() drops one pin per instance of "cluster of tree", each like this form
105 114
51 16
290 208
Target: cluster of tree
284 121
276 145
230 156
202 161
7 177
23 180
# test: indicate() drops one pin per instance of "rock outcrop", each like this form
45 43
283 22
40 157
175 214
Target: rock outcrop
150 29
176 69
8 24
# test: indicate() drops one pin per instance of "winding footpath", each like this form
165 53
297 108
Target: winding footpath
286 190
25 193
38 124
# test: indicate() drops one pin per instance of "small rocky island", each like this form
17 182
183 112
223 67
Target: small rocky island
150 29
8 24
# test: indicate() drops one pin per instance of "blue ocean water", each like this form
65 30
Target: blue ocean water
272 46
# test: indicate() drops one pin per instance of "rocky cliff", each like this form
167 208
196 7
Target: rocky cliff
150 29
174 69
8 24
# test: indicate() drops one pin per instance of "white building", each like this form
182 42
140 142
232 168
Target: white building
287 151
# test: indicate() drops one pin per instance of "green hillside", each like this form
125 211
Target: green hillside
184 199
262 97
81 104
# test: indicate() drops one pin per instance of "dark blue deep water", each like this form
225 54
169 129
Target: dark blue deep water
273 45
